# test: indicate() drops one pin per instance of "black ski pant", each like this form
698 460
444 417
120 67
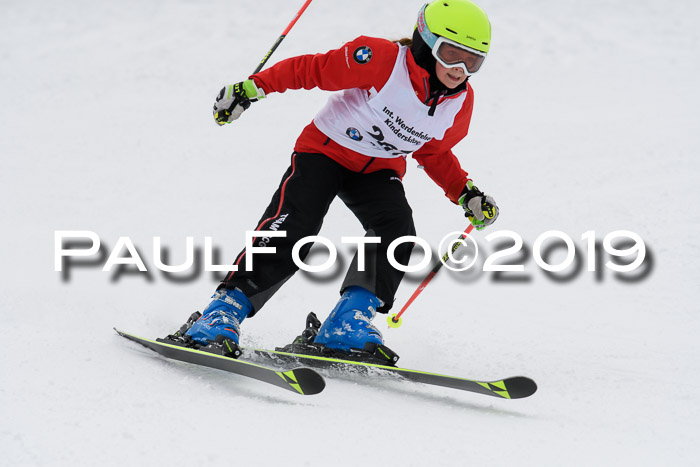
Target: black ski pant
298 207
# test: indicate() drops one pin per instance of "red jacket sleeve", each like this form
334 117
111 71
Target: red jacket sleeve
334 70
437 158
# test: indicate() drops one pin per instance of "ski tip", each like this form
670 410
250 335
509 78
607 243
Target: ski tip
520 387
307 381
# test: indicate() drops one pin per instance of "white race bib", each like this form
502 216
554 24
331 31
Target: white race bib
391 123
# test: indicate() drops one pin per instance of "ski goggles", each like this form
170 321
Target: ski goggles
451 54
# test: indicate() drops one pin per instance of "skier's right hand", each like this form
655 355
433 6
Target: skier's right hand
234 99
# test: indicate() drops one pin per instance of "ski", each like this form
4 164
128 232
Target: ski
516 387
379 360
303 381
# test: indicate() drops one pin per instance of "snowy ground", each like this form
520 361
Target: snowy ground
586 119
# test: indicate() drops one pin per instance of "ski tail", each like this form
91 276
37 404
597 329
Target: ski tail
303 381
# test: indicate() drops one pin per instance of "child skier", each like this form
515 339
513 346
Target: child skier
410 97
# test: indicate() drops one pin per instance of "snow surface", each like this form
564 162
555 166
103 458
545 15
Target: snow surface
586 119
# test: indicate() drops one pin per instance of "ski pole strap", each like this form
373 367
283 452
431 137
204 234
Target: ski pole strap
433 272
282 36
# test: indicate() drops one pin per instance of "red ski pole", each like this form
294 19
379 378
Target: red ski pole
395 319
282 36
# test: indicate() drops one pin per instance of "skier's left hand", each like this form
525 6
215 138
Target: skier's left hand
234 99
481 209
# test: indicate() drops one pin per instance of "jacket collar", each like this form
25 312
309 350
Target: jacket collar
428 89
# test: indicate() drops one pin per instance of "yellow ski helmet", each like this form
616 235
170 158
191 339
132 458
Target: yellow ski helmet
457 31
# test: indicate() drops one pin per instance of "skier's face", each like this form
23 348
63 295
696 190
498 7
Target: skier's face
450 77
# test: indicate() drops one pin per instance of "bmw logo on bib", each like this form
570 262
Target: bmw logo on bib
362 55
354 134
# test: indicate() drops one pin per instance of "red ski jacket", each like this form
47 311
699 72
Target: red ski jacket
336 70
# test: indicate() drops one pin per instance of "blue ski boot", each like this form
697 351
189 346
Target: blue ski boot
349 326
222 316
